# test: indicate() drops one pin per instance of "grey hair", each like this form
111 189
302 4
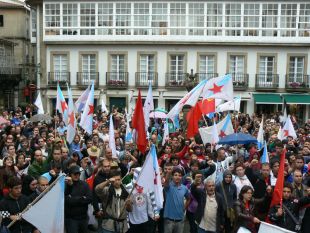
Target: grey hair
208 179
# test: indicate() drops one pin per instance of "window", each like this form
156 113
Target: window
196 18
118 67
296 69
236 64
251 19
146 68
266 68
87 18
105 18
304 20
177 18
270 20
159 18
123 18
60 67
233 19
206 66
177 68
70 18
33 23
288 19
214 19
89 68
1 20
52 19
141 18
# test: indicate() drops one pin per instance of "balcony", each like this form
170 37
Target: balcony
85 79
58 77
203 76
10 77
297 83
117 80
176 80
240 81
267 81
144 78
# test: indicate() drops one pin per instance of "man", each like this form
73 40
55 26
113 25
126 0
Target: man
12 205
241 179
77 198
54 172
299 189
42 185
39 165
115 204
62 128
175 192
209 215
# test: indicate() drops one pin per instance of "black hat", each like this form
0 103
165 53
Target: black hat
74 169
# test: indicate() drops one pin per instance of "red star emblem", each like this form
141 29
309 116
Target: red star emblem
91 109
64 105
222 134
71 119
216 89
285 133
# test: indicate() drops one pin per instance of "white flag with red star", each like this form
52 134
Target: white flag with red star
219 88
87 117
288 129
61 104
71 126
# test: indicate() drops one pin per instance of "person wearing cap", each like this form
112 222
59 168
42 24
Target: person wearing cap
77 197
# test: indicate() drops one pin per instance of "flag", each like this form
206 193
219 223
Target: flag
232 105
138 124
190 98
215 137
166 132
265 157
48 213
149 177
112 137
260 135
61 104
279 135
103 107
206 106
87 117
39 104
71 125
193 117
278 189
270 228
283 117
128 136
224 128
288 129
80 103
148 106
219 88
176 122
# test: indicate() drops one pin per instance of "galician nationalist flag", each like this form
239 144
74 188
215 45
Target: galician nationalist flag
103 107
87 117
71 126
265 157
215 136
232 105
128 136
81 101
150 179
288 129
166 133
48 213
260 135
39 104
270 228
148 106
112 137
219 88
61 104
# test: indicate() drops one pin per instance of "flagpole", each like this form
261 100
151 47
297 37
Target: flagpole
35 200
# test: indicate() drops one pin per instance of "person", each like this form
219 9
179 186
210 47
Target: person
42 185
175 193
12 205
209 215
241 179
115 204
244 208
29 185
77 198
299 189
6 172
228 192
39 166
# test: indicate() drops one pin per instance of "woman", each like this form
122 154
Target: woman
244 209
7 171
29 185
21 163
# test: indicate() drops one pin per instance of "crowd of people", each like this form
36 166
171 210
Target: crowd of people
212 188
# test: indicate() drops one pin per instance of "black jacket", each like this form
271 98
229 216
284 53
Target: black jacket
99 178
77 198
200 195
12 206
231 193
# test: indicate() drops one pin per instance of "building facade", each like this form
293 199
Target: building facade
17 61
121 45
